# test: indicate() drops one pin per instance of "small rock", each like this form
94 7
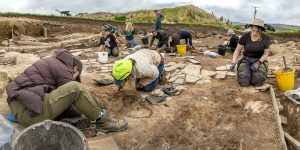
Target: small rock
191 79
5 43
2 51
283 119
275 41
157 92
221 74
194 61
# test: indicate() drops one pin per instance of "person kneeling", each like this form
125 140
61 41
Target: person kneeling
252 68
144 68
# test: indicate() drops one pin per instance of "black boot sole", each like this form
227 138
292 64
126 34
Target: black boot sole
105 131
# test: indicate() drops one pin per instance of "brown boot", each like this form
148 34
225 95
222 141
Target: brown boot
105 123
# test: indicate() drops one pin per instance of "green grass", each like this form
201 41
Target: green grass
285 33
139 19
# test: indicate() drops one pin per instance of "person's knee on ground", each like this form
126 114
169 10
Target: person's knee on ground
244 75
258 78
115 51
108 50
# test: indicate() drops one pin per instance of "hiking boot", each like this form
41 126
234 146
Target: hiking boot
105 123
80 123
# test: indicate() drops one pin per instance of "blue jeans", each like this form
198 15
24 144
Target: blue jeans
132 43
150 87
158 25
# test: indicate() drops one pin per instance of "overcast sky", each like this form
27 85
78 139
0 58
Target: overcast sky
272 11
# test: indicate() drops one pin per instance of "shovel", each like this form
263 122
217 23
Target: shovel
286 69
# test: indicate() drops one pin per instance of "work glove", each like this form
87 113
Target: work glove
255 66
232 66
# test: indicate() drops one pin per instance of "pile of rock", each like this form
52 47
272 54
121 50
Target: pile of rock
179 74
6 59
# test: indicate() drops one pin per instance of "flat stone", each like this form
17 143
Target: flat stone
179 81
2 51
205 77
255 106
172 79
263 87
180 87
191 57
283 119
208 73
193 70
170 64
221 74
168 76
76 54
191 79
194 61
181 75
171 68
202 82
181 66
232 74
175 73
223 68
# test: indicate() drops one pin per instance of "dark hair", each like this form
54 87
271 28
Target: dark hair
155 11
78 64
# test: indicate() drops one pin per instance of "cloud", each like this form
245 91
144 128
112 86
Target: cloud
279 11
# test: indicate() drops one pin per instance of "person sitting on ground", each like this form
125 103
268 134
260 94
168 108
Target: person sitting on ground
252 68
159 18
129 35
144 68
163 39
233 41
108 42
182 34
50 88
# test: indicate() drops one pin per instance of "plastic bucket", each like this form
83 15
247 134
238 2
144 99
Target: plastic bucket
145 41
285 80
181 49
50 135
102 57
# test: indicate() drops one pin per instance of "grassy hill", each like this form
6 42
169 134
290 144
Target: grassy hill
285 27
184 14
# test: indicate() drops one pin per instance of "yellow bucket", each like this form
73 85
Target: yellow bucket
181 49
285 80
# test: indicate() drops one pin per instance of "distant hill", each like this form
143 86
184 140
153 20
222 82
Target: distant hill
183 14
282 27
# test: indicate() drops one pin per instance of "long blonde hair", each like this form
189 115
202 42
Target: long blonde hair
129 27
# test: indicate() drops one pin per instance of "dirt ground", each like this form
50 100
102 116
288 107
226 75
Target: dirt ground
210 116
